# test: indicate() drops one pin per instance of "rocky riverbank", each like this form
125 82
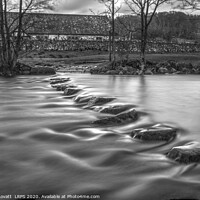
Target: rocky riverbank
132 67
24 69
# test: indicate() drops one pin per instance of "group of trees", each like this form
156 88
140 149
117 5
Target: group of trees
145 10
149 24
145 23
168 25
12 30
165 25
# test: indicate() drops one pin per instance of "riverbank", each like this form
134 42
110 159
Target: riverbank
97 62
83 57
132 67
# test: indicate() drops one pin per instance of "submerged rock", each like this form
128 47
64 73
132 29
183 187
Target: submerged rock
127 116
155 133
114 110
188 153
71 91
59 80
97 101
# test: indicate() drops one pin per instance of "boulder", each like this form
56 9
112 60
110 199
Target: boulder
155 133
22 69
124 117
101 68
114 110
185 70
42 71
173 64
189 153
71 91
83 98
184 67
148 72
163 70
112 72
133 63
26 72
172 70
97 101
196 70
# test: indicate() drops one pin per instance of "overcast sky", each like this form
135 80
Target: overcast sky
85 7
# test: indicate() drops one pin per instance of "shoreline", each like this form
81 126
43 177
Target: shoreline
97 63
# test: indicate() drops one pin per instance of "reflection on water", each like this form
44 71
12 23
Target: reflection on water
49 146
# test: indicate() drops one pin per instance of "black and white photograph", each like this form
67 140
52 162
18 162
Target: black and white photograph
100 99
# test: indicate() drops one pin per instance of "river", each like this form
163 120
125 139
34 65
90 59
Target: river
48 144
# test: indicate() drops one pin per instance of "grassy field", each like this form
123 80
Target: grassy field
79 57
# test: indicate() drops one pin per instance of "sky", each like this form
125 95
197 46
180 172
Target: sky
91 6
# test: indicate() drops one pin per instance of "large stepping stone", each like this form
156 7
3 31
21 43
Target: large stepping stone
114 110
59 80
189 153
83 98
71 91
97 101
155 133
124 117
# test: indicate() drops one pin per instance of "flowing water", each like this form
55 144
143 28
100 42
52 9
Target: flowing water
48 144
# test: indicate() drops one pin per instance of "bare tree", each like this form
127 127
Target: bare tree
11 30
111 11
187 4
145 9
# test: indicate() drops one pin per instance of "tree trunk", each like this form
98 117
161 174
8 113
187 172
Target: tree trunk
9 63
10 48
143 52
143 43
113 32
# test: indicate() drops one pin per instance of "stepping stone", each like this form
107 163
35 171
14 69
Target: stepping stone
62 87
71 91
83 98
59 80
114 110
97 101
124 117
155 133
189 153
